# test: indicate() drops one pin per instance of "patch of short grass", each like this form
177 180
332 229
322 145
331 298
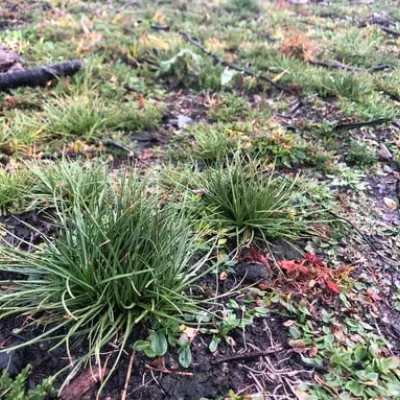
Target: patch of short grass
211 143
229 109
132 117
373 106
360 154
243 6
80 115
15 187
19 131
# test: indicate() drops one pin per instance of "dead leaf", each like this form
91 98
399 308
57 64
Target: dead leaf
338 333
83 383
313 351
390 203
158 365
373 295
333 286
190 332
355 338
288 323
223 276
297 344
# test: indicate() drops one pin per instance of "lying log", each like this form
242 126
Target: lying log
38 76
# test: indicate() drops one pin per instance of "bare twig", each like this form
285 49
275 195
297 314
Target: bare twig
242 356
127 5
245 71
160 27
112 143
339 65
131 89
390 31
128 376
354 125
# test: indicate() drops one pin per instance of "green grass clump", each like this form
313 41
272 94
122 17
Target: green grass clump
230 110
370 107
68 182
115 263
361 155
15 388
19 130
79 115
244 201
129 117
344 84
243 6
14 187
212 143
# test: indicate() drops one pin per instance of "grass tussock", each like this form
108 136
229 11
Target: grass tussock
247 203
115 263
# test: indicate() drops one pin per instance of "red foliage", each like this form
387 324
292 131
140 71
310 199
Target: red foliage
310 273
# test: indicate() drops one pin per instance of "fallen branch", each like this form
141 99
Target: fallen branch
354 125
242 356
83 383
127 5
119 146
225 63
339 65
38 76
390 31
164 28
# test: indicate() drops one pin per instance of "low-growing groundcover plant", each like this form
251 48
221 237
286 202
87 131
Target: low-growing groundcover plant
115 262
247 203
15 388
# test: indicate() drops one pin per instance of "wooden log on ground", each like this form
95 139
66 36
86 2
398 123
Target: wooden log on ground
38 76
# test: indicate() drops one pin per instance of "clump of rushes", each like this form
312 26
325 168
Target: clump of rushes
115 263
247 204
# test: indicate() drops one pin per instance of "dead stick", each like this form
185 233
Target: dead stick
225 63
353 125
128 376
339 65
120 146
390 31
38 76
160 27
242 356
